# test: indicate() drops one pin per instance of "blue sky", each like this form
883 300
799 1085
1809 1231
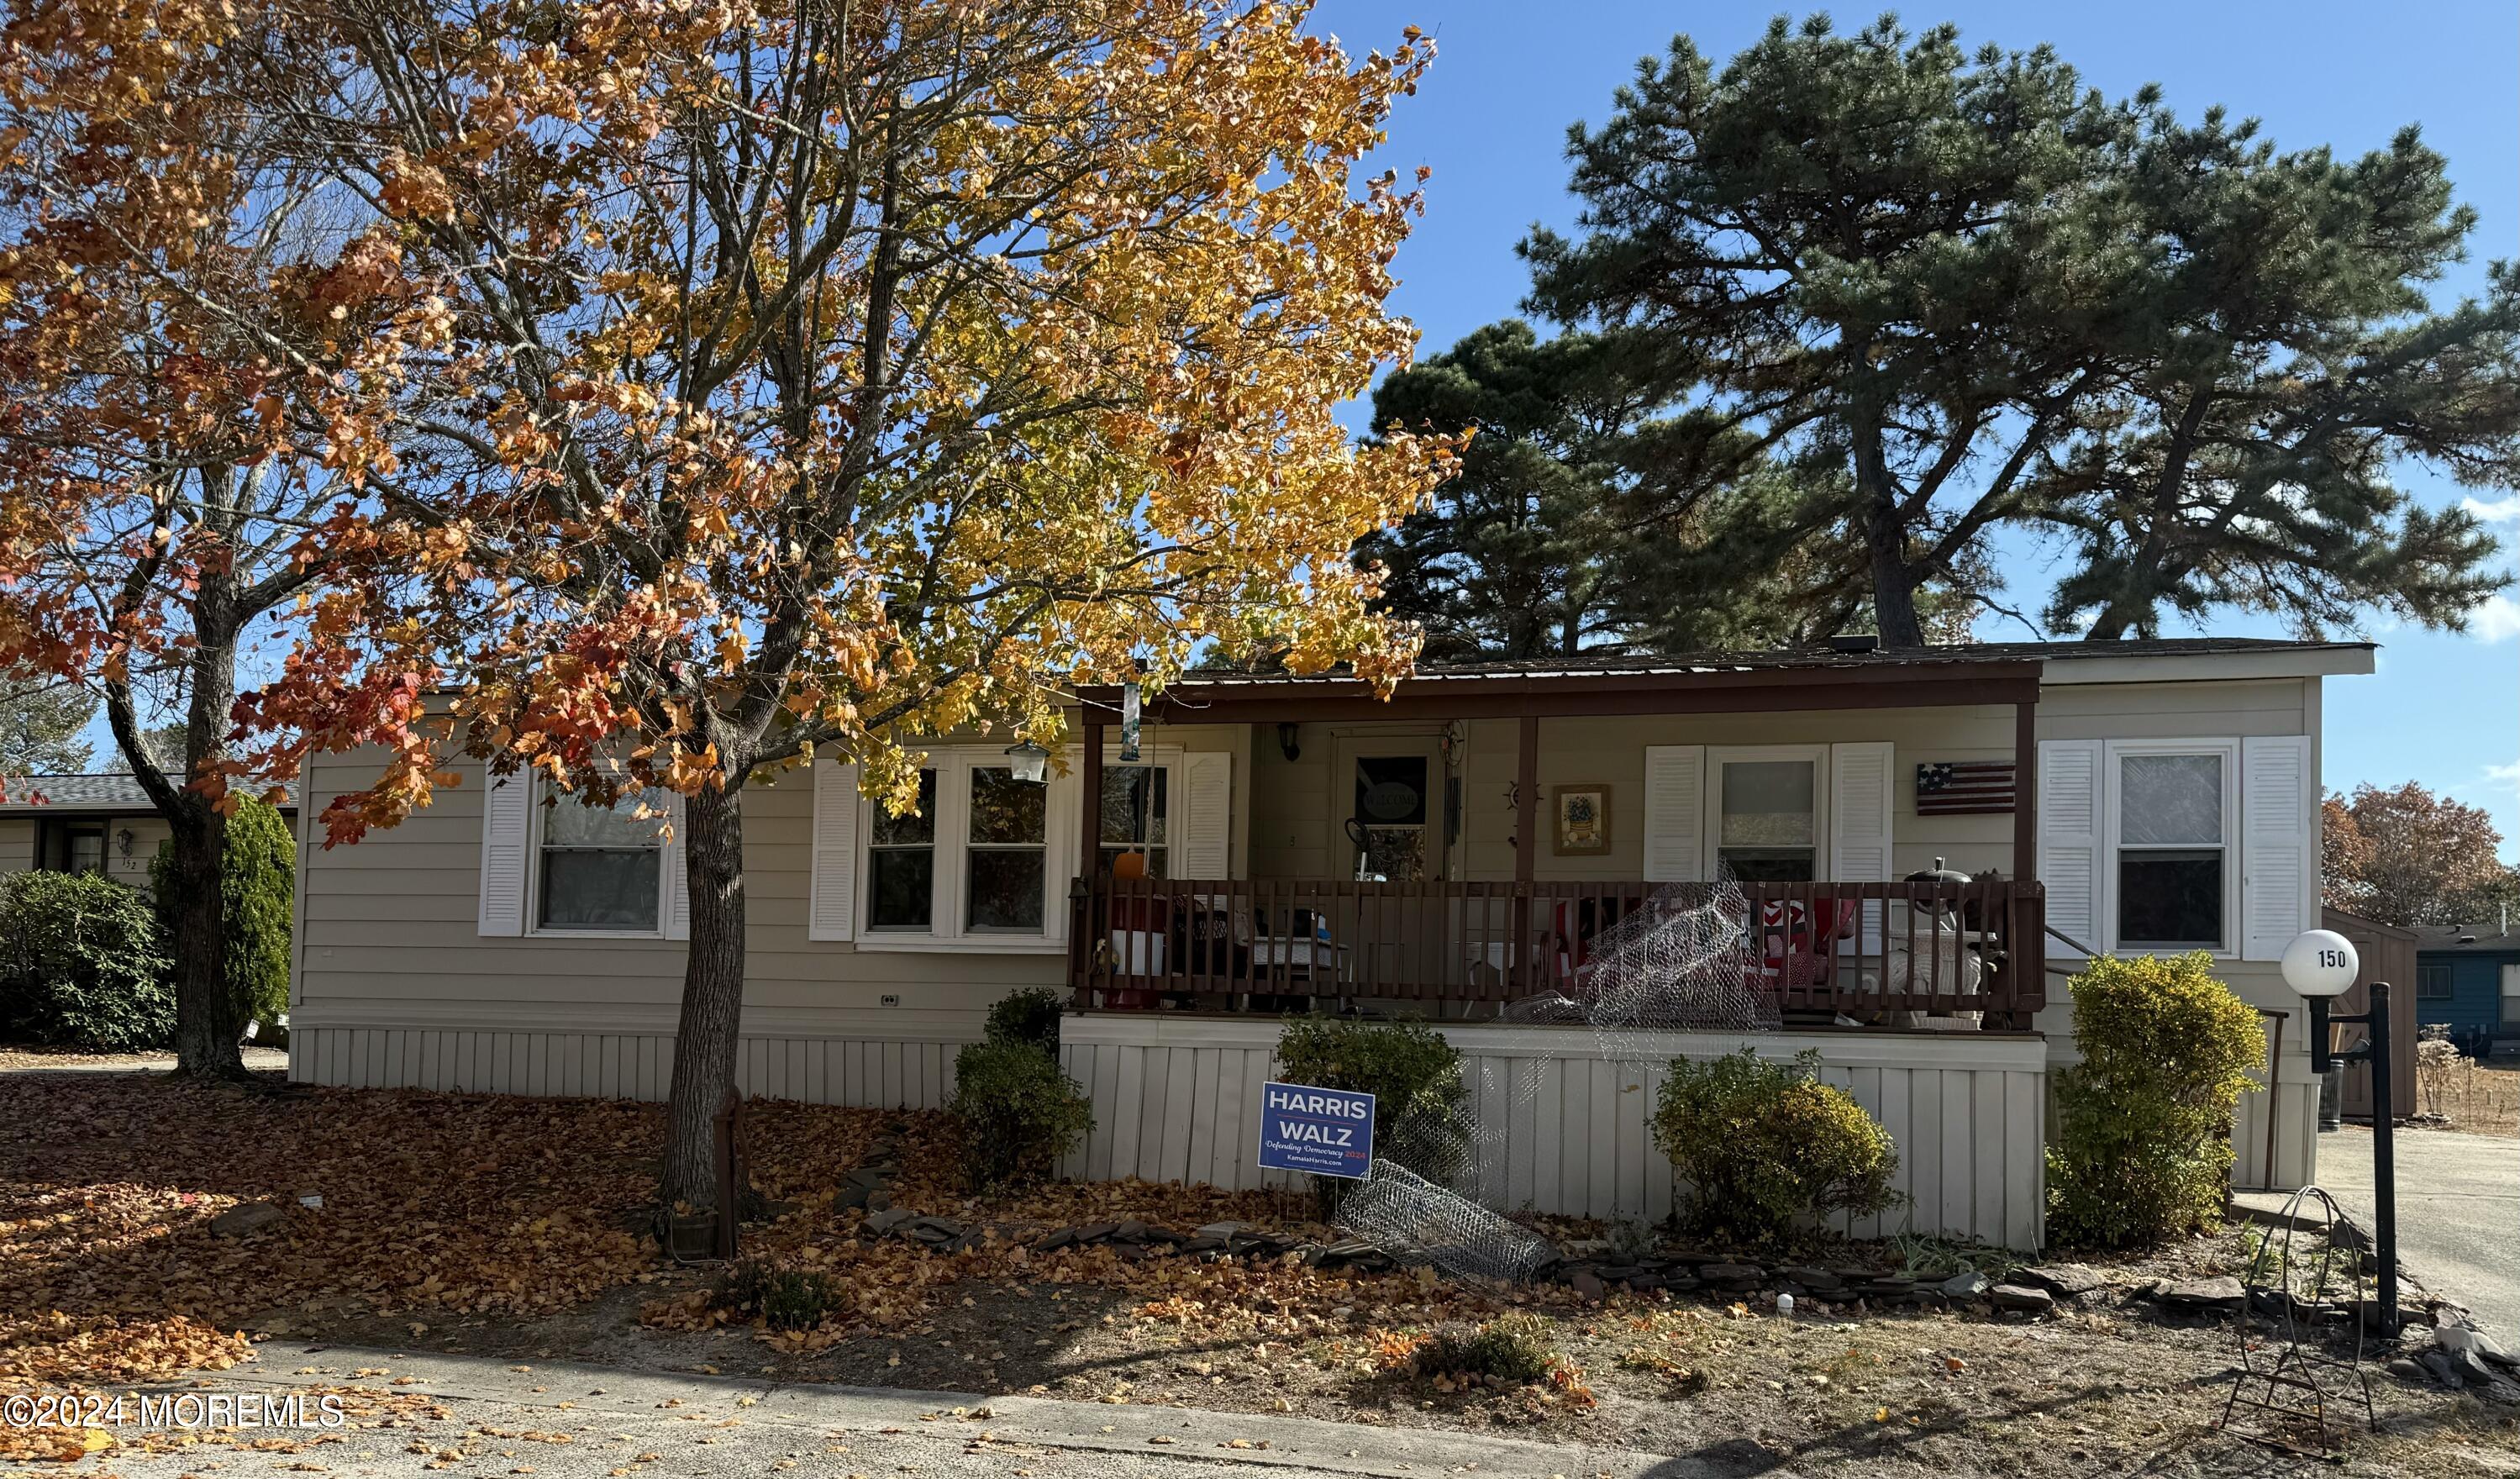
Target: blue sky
1510 75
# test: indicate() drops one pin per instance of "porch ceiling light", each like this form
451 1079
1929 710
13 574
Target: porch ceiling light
1031 763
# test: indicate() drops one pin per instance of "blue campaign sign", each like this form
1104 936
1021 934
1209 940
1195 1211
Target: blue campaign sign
1327 1132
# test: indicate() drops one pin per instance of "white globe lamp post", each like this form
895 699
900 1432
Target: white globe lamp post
2322 965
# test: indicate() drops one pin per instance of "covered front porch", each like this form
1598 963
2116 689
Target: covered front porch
1504 833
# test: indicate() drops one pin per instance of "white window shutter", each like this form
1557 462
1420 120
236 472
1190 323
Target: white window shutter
1207 827
676 879
2278 844
1674 842
506 824
1859 810
2072 787
833 913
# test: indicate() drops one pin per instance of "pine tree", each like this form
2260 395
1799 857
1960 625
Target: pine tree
1956 291
2288 363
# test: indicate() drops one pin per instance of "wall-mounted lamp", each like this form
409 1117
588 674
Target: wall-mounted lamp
123 840
1029 761
1287 736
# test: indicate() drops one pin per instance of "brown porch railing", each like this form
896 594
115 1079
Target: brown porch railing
1944 954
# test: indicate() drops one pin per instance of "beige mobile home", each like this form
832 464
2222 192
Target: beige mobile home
1915 846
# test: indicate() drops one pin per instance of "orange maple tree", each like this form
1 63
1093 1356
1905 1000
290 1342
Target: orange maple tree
181 330
728 381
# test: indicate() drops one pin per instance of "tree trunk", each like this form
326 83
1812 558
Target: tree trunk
706 1042
209 1012
1885 533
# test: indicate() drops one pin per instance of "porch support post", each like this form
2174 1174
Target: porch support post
1527 800
2028 926
1525 850
2025 791
1089 841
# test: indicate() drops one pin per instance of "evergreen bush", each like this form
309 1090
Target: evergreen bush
2143 1145
1029 1016
1411 1070
1017 1113
1764 1149
256 886
82 963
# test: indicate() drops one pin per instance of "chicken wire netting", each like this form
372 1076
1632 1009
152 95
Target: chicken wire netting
1684 959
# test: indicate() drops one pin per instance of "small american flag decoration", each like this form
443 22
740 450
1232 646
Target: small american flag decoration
1957 787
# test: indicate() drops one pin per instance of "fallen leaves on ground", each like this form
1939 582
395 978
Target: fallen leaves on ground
109 1268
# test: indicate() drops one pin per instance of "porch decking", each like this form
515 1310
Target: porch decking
1878 953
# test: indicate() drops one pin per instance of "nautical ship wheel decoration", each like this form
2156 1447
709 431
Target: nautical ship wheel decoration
2299 1330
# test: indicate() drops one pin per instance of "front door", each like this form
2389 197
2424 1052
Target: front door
1392 819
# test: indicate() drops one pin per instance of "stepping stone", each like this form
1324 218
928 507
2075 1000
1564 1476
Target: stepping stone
247 1219
2012 1296
2218 1293
2064 1280
885 1219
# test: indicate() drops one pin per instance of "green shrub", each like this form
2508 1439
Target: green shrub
786 1299
1413 1074
82 963
1018 1114
1512 1349
1766 1147
1029 1016
2143 1147
257 880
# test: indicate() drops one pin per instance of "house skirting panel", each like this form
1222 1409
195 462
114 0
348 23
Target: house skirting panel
1177 1099
913 1068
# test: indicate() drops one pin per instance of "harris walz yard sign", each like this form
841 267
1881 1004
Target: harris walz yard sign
1325 1131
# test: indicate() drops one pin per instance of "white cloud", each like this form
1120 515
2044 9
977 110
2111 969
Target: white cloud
2500 511
2497 619
2504 776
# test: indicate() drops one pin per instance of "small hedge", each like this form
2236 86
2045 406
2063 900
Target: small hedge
1019 1114
82 963
258 875
1767 1150
1413 1074
1029 1016
2143 1147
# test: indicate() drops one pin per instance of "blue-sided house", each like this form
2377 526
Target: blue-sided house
2468 976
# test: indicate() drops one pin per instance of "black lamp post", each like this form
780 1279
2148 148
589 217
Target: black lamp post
2322 964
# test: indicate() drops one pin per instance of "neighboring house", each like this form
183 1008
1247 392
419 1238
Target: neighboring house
2467 976
2136 796
83 824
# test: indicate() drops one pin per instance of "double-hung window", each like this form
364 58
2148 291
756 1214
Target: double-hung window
901 865
601 867
1006 859
2432 981
2174 873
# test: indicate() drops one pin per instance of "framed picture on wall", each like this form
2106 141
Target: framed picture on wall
1583 821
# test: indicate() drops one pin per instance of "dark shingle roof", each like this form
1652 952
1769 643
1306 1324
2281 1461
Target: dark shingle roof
2489 935
109 792
1581 664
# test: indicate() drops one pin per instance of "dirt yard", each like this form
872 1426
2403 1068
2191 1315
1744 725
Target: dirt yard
512 1227
2474 1098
